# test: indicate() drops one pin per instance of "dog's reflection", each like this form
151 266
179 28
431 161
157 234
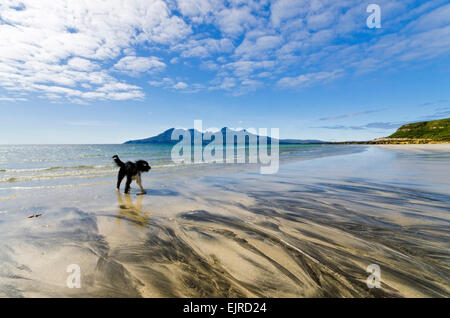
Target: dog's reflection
132 212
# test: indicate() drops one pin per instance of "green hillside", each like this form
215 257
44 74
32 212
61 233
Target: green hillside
438 130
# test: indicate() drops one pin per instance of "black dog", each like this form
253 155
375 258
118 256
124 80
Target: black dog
132 170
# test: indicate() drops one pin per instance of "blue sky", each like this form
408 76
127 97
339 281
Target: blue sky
110 71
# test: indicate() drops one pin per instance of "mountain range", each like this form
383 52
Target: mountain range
165 137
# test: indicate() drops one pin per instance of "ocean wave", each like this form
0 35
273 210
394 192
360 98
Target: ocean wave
8 198
52 187
38 177
79 167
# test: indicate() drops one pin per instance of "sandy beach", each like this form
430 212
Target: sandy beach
310 230
443 147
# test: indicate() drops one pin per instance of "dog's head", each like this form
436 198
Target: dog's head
143 166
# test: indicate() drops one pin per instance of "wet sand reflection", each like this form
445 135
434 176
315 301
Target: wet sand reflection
132 212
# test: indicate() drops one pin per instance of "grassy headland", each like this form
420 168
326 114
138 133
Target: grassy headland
424 132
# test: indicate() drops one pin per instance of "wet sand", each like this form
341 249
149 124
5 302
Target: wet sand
309 231
419 147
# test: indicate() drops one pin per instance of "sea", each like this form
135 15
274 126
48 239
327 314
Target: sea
34 166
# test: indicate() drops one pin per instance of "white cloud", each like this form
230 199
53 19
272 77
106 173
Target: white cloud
309 79
80 64
259 47
12 99
321 20
204 47
180 86
234 21
246 68
438 18
88 123
228 83
282 10
198 10
57 48
134 65
162 83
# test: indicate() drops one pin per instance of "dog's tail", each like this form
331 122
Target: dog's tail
118 161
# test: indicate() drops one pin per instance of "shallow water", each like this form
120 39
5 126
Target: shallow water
309 231
34 166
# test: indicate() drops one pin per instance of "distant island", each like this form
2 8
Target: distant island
166 137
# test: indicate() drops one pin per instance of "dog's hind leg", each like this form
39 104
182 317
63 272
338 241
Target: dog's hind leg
120 178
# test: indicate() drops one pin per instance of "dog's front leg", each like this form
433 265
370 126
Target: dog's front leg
120 178
127 185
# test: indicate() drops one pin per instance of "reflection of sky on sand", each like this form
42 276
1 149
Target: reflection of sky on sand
310 230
